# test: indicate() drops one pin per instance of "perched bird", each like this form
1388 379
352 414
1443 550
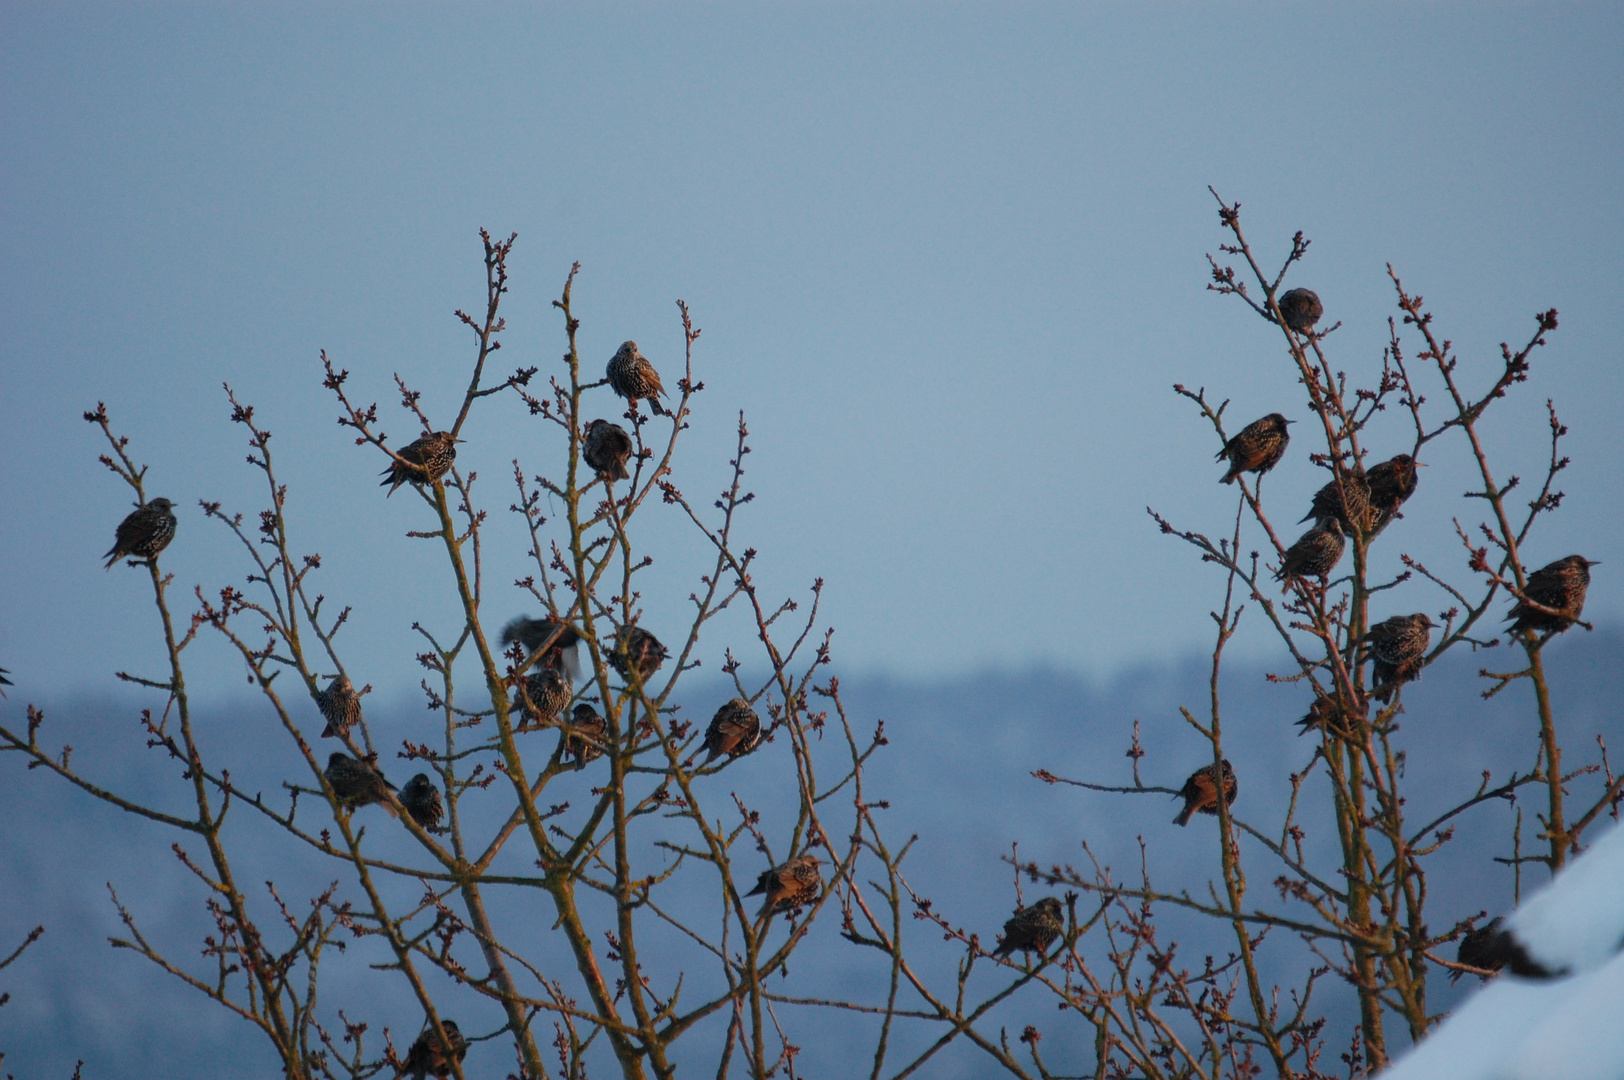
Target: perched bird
1301 309
1034 928
1398 645
1390 483
606 448
643 653
358 783
143 534
1479 949
422 800
560 640
548 692
1325 714
1495 946
789 886
1257 449
1329 502
431 1056
423 461
591 734
340 706
1315 554
735 730
1200 792
633 377
1560 586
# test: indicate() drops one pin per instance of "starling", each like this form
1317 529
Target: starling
429 1056
1201 793
143 534
643 653
1477 949
1560 586
633 377
1398 644
1494 946
340 706
423 461
1257 449
1033 929
606 448
1390 483
557 637
1315 554
735 730
587 741
789 886
358 783
1328 502
422 800
548 692
1301 309
1326 714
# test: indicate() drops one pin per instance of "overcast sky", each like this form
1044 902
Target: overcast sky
948 260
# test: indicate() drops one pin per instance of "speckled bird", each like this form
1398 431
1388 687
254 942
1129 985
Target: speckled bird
340 706
1561 586
634 378
1398 645
549 693
591 734
430 1055
791 885
1257 449
1325 713
358 783
560 639
422 461
735 730
1200 793
1301 309
644 653
1390 483
143 534
422 800
1315 554
606 447
1034 928
1328 502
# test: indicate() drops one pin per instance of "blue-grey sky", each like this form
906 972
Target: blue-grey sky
948 259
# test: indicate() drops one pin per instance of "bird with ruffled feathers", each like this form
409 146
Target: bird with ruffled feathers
1257 448
1559 586
632 377
1033 928
422 461
790 885
1200 792
144 533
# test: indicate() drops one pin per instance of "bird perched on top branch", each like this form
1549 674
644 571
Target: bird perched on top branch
143 534
632 377
1301 309
422 461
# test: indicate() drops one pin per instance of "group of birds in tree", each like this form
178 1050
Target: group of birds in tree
1366 502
